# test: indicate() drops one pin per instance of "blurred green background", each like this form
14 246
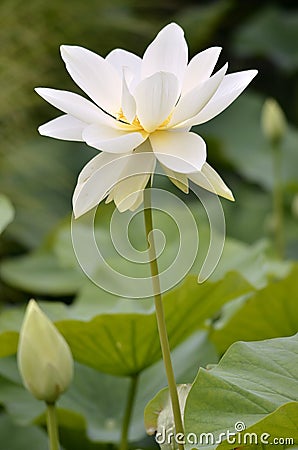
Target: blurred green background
38 174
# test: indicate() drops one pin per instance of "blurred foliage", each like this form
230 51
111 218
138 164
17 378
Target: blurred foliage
6 212
37 176
270 34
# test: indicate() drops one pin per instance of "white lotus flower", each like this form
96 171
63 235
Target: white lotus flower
142 105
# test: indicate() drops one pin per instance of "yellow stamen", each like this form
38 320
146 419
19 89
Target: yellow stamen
121 116
136 122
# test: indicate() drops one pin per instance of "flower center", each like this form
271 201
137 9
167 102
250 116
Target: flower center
122 118
136 124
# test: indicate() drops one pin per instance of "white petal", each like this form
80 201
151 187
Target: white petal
126 194
209 179
96 180
95 163
110 197
230 88
121 58
74 104
133 179
94 75
192 103
112 140
180 152
111 169
128 102
65 127
167 53
200 68
178 179
155 97
149 159
139 198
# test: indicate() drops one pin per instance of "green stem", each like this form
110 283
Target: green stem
52 426
128 412
161 324
278 202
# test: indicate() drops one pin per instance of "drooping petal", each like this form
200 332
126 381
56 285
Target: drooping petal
128 102
155 98
180 152
127 193
109 198
209 179
65 127
192 103
133 179
121 58
112 140
95 76
178 179
167 53
95 163
96 180
200 68
75 105
230 88
139 198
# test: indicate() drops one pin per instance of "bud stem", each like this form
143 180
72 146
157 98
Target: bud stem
52 426
128 411
278 200
160 317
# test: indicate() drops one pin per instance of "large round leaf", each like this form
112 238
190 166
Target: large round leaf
267 313
41 273
254 384
127 343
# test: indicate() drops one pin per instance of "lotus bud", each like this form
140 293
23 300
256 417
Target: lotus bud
273 121
295 206
44 358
